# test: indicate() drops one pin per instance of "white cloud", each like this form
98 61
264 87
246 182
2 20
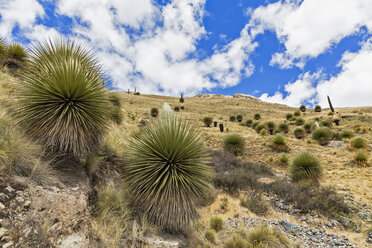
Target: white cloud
297 92
353 85
308 28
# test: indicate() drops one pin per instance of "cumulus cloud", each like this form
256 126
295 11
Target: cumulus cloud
308 28
297 92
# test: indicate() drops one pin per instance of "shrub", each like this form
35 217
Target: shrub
322 135
347 134
259 127
176 109
236 241
207 121
289 116
277 130
63 95
358 143
257 116
326 123
283 159
16 56
299 121
270 126
279 143
264 236
232 118
297 113
216 223
255 124
249 123
255 202
234 143
299 132
284 127
318 108
239 118
307 127
305 166
302 108
154 112
361 157
210 235
167 174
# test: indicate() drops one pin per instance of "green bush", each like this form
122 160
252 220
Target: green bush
358 143
361 157
323 135
326 123
232 118
283 159
305 166
234 143
279 143
176 109
260 127
62 99
308 126
255 124
297 113
264 236
249 123
302 108
167 174
299 121
284 127
216 223
210 235
207 121
257 116
289 116
318 108
154 112
299 132
277 130
255 202
239 118
347 134
16 56
270 126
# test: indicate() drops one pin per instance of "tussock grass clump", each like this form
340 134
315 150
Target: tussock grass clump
347 134
305 166
284 127
270 126
216 223
300 121
308 127
323 135
249 122
302 108
154 112
279 143
16 56
260 127
232 118
330 113
297 113
207 121
289 116
176 109
255 124
264 132
358 143
361 158
2 49
317 108
210 235
234 143
115 100
239 118
62 98
283 159
237 241
116 115
326 123
264 236
277 130
299 132
257 116
167 174
255 202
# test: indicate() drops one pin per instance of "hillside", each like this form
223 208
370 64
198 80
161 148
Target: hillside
48 202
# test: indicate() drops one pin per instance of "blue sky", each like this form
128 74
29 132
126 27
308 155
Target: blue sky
289 51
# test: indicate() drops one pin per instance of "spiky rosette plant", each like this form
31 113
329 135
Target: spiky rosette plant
239 118
323 135
279 143
284 127
16 56
302 108
297 113
257 116
270 126
318 108
358 143
306 166
234 143
62 99
249 123
232 118
289 116
2 49
308 126
300 121
361 158
168 173
299 132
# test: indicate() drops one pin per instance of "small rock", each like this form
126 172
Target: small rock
303 218
3 197
7 245
342 187
3 232
27 204
19 199
9 189
2 207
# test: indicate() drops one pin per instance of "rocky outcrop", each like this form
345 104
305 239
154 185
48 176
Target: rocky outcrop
246 97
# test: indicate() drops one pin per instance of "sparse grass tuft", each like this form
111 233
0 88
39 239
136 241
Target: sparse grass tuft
234 143
236 241
264 236
306 166
260 127
283 159
210 235
326 123
347 134
255 202
216 223
255 124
